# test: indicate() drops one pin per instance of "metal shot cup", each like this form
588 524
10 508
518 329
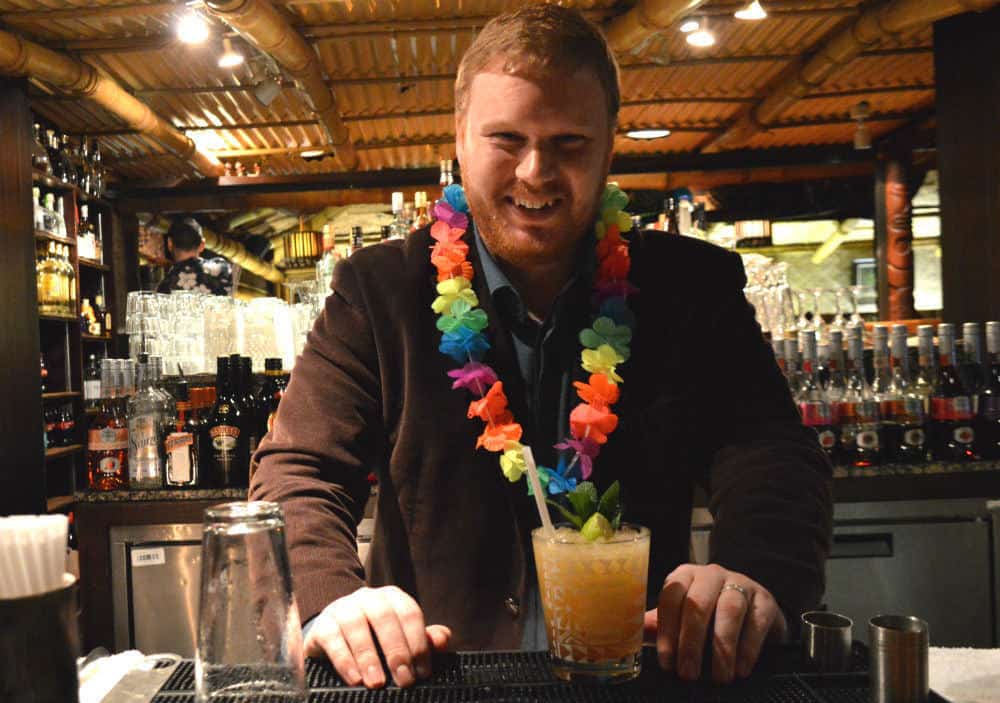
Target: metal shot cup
826 641
898 651
39 644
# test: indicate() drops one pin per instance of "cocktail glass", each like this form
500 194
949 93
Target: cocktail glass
594 598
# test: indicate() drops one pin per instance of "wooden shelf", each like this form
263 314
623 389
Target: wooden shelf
58 318
61 395
41 234
93 338
58 452
87 263
56 504
52 182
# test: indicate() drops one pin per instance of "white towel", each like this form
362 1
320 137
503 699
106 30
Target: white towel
965 675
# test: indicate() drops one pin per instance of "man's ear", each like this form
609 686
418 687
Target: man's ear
201 247
460 120
170 247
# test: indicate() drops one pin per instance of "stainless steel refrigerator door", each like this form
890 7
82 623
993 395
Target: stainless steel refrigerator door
938 571
156 575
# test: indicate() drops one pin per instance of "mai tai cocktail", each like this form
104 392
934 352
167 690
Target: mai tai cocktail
593 593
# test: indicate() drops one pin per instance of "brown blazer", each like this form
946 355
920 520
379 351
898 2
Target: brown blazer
703 403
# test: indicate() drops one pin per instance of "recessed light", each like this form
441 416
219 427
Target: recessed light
751 12
312 153
230 57
192 29
701 38
690 26
647 133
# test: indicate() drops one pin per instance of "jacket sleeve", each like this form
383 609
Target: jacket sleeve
769 482
322 445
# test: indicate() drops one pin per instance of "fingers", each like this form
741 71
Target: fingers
353 617
669 608
764 619
730 613
440 637
699 603
411 619
326 639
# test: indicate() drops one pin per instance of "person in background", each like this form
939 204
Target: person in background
185 244
703 401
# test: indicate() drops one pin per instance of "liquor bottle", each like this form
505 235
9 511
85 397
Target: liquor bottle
85 172
248 401
813 407
400 227
778 349
70 278
39 154
179 444
43 371
67 426
86 244
324 267
952 434
50 219
858 410
880 361
52 149
836 384
671 224
107 438
923 384
275 383
229 456
103 316
988 416
167 403
38 210
972 366
97 171
50 419
421 218
92 384
385 234
792 364
65 149
903 418
357 239
145 422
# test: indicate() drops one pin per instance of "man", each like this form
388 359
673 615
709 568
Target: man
185 245
703 402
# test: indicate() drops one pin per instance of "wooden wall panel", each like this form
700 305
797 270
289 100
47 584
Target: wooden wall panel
968 138
22 457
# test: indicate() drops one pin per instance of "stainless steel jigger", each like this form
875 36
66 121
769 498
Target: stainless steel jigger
898 659
826 641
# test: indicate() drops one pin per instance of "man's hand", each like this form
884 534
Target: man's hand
744 618
343 632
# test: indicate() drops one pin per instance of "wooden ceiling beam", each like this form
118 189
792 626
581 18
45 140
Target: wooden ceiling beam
130 10
261 24
629 33
64 73
886 18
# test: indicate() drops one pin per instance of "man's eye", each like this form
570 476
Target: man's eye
570 141
505 137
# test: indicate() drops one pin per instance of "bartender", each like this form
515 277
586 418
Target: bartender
185 244
702 401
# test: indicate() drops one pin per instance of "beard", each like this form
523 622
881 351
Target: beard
531 247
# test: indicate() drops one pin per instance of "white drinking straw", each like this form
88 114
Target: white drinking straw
536 488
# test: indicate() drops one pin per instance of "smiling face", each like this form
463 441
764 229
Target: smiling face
535 153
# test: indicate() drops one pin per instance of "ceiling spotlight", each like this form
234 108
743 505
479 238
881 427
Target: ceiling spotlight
647 133
192 29
690 25
701 37
230 57
751 12
266 91
312 154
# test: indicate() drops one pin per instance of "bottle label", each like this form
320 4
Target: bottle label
91 390
107 439
914 437
145 462
955 409
178 449
814 414
989 408
109 465
867 439
827 439
963 435
224 437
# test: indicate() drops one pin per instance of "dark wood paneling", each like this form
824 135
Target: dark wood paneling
22 486
967 63
125 271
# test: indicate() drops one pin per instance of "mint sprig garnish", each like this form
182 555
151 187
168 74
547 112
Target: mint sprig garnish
583 503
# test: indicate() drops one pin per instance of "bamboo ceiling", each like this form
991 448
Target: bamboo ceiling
391 66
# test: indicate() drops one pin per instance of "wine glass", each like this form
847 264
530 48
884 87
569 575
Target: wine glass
856 291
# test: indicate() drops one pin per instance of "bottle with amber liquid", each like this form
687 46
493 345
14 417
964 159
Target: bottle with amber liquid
952 434
107 438
180 444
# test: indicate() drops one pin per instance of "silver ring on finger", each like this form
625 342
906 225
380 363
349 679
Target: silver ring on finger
739 589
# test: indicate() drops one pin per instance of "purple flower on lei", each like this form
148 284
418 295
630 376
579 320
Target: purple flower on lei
474 377
586 451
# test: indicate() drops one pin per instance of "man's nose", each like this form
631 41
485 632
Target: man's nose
536 166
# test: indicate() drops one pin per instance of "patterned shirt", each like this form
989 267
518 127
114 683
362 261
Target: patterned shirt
189 275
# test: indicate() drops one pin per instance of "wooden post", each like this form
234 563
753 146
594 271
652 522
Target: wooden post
22 456
967 66
894 241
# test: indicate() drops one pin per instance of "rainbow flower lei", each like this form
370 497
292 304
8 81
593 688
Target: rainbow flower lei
605 343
